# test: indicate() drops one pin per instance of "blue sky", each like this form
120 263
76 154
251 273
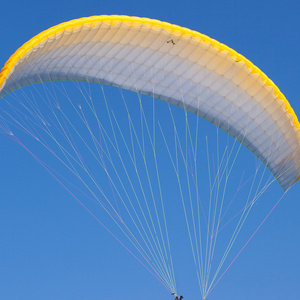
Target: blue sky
52 249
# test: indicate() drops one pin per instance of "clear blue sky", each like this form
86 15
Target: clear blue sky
52 249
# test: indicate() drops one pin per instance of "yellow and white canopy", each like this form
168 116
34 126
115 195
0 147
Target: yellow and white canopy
174 64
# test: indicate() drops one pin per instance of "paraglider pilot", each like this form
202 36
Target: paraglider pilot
177 297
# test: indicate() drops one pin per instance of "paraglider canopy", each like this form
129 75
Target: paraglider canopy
174 64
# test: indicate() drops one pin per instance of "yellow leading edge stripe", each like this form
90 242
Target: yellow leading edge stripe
136 21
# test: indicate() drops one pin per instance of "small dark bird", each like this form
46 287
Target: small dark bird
171 41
